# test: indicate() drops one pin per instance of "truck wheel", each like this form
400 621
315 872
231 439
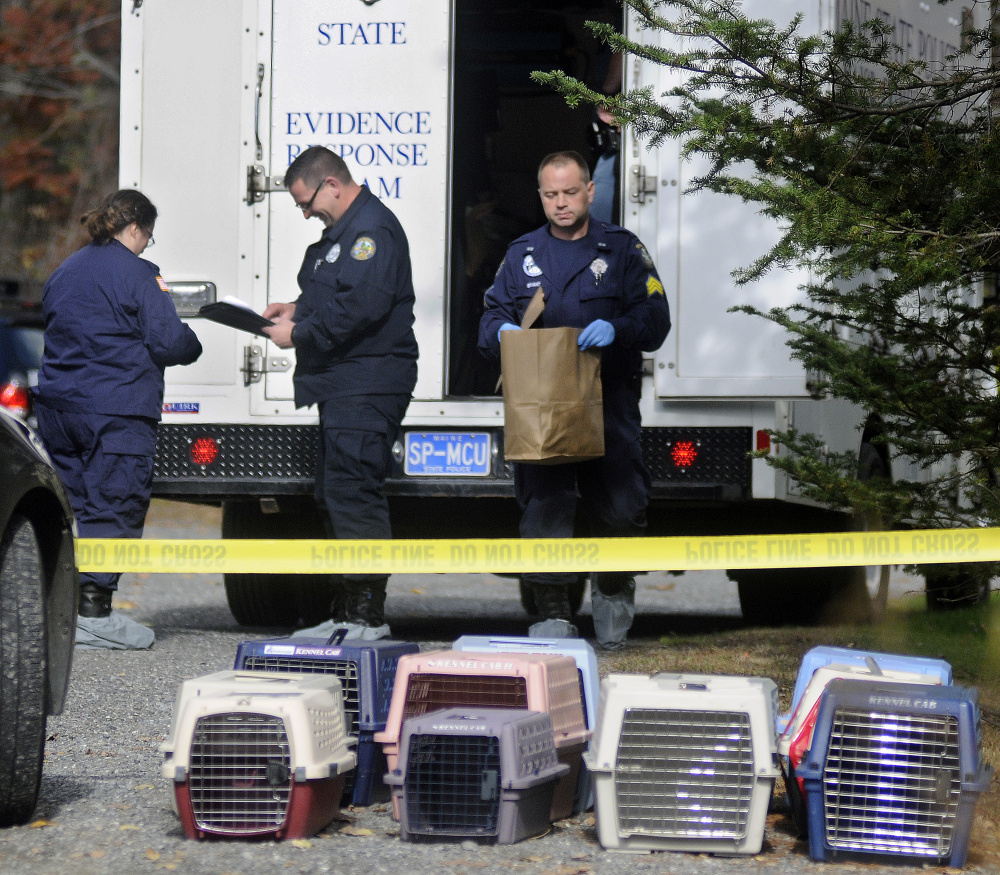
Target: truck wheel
315 593
860 594
25 669
527 598
949 587
257 599
781 596
577 591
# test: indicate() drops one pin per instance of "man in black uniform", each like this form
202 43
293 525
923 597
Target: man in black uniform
356 358
599 278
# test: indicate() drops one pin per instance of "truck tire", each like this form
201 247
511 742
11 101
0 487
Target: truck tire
23 648
860 594
805 596
315 594
781 596
577 591
949 587
257 599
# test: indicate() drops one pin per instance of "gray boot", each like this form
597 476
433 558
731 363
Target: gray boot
612 600
553 629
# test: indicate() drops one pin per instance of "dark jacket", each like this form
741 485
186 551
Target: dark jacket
609 276
354 319
110 330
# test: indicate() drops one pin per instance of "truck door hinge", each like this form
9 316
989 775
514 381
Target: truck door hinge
259 183
641 186
255 365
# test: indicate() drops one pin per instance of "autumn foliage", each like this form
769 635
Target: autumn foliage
59 73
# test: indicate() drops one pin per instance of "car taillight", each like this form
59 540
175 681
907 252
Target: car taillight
684 453
15 398
204 450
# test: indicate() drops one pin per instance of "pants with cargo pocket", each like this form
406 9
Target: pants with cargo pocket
614 493
353 460
106 464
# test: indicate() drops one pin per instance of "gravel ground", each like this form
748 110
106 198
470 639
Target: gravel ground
104 807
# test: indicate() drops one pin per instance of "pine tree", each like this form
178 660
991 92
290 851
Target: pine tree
883 173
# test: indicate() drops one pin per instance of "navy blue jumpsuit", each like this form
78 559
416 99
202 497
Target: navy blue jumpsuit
609 275
110 330
356 358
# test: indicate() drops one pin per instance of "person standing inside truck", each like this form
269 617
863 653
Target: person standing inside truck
597 277
356 359
110 330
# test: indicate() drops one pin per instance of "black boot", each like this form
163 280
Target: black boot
95 601
363 603
552 601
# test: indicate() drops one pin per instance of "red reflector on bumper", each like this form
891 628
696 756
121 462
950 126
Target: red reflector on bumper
683 454
204 451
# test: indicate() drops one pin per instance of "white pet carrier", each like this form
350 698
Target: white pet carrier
258 754
684 762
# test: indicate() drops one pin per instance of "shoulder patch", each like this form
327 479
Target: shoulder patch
163 286
645 256
529 266
653 286
363 249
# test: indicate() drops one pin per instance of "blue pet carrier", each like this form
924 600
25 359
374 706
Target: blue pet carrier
819 657
894 769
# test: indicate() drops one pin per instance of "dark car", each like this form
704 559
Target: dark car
38 599
21 343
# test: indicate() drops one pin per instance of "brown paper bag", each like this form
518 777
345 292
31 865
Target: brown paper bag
552 400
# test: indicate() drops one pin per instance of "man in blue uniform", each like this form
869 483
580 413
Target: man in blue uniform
356 358
599 278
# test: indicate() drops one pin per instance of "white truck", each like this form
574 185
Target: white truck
431 105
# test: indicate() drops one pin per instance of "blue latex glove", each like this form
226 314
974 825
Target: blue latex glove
598 333
507 326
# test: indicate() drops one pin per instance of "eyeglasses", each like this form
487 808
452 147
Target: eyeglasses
306 207
150 241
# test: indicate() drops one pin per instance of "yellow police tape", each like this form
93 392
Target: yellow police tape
518 555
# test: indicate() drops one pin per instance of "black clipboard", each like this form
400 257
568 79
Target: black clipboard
235 317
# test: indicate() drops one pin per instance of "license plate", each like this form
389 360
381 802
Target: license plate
448 454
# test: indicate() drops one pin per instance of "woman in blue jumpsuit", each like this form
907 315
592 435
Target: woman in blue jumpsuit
110 330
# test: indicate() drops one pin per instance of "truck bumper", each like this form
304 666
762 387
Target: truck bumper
209 462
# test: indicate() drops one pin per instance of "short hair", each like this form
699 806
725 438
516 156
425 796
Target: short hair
314 165
561 159
116 212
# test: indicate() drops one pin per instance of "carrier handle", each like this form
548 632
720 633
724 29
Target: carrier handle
338 636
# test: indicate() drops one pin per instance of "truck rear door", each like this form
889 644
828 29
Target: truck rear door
699 240
372 84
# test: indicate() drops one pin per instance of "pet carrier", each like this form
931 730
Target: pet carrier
795 741
684 762
586 665
894 769
823 655
549 683
257 755
366 670
480 773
